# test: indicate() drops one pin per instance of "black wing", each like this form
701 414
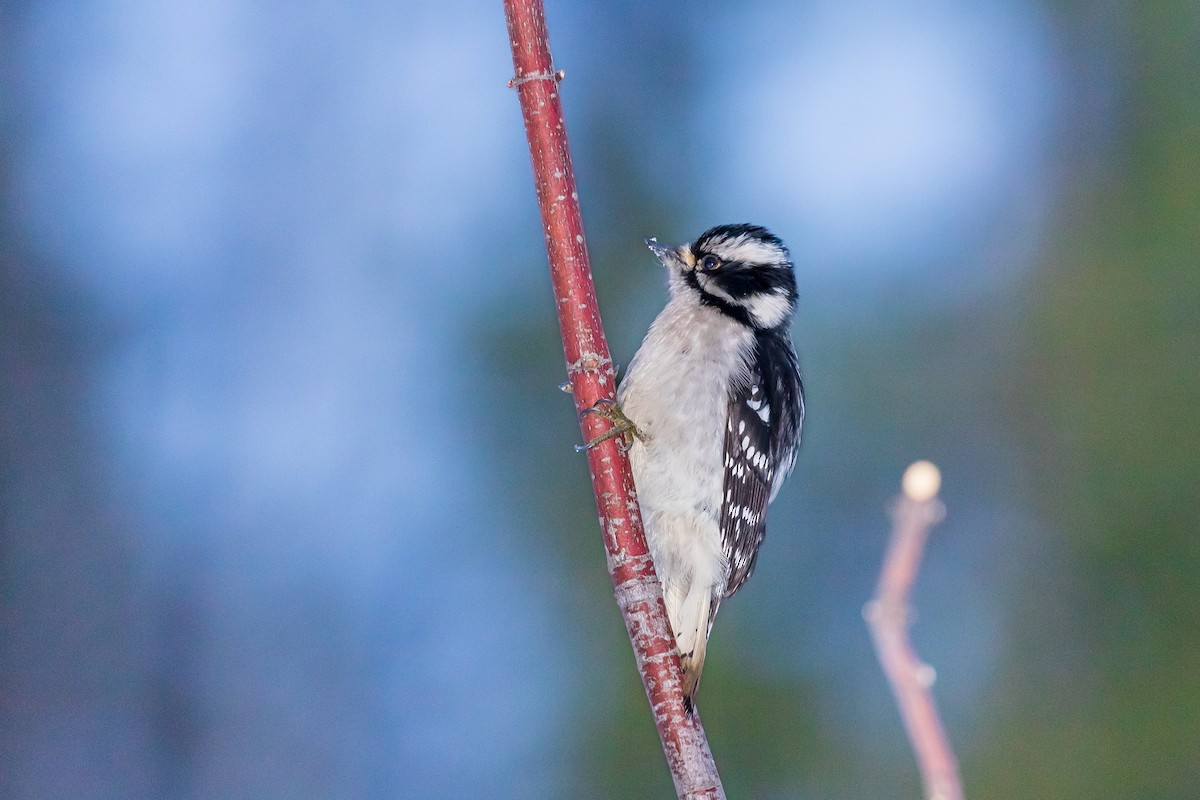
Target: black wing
748 479
761 434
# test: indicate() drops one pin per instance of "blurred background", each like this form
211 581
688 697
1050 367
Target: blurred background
289 507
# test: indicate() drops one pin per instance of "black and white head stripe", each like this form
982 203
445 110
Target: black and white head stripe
746 272
747 244
762 433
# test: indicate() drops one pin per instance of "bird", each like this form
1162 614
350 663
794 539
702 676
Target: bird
711 408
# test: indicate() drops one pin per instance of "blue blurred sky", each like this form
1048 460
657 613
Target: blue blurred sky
284 223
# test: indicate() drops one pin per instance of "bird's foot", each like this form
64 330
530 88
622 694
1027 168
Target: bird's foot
622 426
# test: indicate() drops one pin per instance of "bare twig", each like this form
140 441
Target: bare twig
589 366
913 514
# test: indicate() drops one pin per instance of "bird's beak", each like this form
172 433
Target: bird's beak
669 256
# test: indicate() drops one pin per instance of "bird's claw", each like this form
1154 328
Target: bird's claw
622 426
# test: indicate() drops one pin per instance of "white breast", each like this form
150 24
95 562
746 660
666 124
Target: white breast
677 392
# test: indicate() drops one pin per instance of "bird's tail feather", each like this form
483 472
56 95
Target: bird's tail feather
691 623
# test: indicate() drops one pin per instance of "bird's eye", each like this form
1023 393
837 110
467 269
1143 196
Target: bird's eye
709 263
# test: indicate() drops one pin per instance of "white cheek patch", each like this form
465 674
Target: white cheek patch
768 310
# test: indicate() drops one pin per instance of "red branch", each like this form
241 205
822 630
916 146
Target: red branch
589 366
913 514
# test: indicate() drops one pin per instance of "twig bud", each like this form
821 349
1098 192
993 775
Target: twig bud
921 481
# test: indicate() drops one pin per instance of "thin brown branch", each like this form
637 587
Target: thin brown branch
914 513
589 366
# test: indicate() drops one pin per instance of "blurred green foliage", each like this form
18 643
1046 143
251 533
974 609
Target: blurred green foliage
1109 391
